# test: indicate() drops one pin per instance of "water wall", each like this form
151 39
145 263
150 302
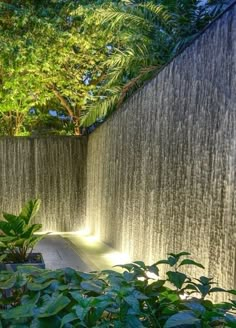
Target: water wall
162 170
52 169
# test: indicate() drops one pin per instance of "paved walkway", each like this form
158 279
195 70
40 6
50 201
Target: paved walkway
58 253
83 253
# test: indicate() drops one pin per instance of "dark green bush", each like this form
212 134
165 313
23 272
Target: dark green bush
67 298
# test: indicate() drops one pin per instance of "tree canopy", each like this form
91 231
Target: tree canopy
65 65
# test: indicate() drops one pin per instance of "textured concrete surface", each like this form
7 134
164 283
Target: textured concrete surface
161 170
50 168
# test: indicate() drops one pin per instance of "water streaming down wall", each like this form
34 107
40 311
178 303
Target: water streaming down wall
160 175
52 169
162 170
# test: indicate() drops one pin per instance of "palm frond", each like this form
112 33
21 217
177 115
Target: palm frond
116 18
160 11
99 110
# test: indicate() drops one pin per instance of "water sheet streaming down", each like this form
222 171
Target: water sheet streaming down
52 169
161 171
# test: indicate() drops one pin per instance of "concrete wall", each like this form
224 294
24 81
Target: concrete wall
52 169
162 170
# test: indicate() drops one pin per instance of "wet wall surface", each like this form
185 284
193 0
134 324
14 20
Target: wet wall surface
161 171
52 169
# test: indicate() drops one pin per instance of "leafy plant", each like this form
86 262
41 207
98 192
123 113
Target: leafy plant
137 297
86 57
149 34
18 239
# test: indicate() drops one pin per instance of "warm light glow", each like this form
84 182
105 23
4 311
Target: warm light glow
91 239
101 254
141 278
116 258
83 232
152 275
184 296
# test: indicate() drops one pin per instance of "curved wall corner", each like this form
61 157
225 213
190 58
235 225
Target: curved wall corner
161 172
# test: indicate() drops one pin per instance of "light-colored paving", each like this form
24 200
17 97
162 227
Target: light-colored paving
83 253
58 253
97 255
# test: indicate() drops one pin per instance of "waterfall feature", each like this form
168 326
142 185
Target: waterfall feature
162 170
159 176
52 169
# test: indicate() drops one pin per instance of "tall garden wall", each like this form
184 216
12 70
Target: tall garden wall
159 176
52 169
162 170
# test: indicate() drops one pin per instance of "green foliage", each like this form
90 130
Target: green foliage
86 57
48 61
69 298
148 35
17 239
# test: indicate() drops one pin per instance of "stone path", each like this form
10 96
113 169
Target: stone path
83 253
58 253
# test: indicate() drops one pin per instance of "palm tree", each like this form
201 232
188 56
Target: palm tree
146 36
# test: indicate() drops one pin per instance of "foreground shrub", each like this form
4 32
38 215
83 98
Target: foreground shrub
17 238
67 298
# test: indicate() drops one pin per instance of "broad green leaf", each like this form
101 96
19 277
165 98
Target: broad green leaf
131 321
37 287
30 209
191 262
162 262
30 299
8 283
49 322
30 230
21 280
81 311
68 318
178 255
183 318
55 306
7 239
195 306
91 286
16 223
140 263
128 266
133 302
29 269
2 257
176 278
21 311
6 228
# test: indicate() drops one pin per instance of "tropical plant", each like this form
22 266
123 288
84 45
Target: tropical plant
148 35
86 57
138 297
17 239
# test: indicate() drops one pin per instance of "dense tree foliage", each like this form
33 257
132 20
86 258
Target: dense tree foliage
80 59
46 62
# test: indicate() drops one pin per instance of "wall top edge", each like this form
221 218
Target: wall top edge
43 137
